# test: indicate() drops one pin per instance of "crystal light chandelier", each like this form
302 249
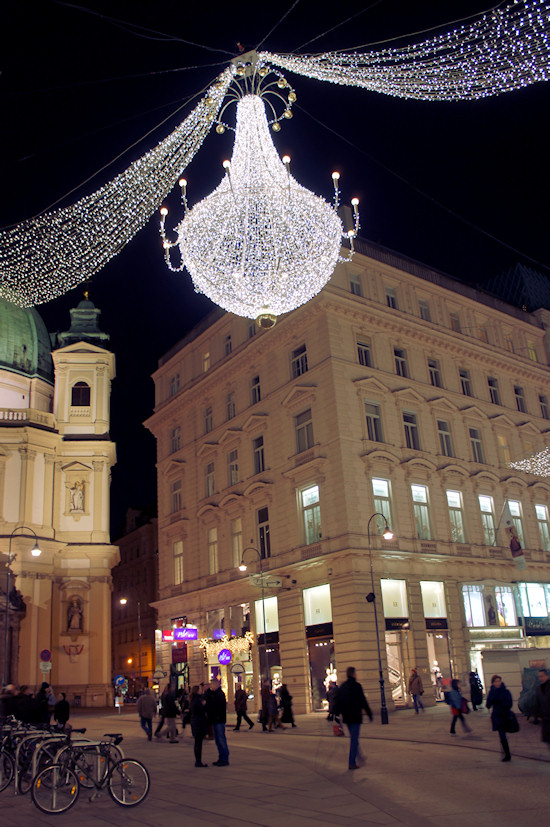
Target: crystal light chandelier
261 244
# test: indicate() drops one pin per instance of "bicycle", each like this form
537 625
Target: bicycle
57 787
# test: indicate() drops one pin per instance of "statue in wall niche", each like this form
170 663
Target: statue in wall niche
77 496
75 615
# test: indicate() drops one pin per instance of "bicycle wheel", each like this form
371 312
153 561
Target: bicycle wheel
128 783
55 789
85 764
7 770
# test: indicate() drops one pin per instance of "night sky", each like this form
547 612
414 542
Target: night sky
433 179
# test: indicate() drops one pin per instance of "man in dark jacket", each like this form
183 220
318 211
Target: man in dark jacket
543 704
350 703
216 709
241 699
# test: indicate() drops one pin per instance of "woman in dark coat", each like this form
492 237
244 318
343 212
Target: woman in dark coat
500 701
286 705
476 690
199 722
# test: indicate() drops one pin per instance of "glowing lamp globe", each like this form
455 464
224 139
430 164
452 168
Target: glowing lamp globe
261 244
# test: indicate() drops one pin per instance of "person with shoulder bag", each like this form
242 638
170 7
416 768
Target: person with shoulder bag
458 705
503 719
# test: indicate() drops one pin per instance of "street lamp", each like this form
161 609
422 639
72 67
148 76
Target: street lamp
123 601
36 551
371 598
243 567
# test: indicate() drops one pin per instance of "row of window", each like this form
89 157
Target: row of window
365 358
424 311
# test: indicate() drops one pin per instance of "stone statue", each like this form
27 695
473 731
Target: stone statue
77 496
74 615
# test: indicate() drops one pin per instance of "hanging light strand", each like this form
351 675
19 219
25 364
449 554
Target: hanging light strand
45 256
537 464
505 49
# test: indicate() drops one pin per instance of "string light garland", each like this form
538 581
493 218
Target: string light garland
261 244
537 464
45 256
505 49
236 645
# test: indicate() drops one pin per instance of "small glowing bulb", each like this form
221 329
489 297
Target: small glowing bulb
182 182
286 159
242 567
276 127
220 129
292 96
335 176
226 164
287 114
355 201
163 211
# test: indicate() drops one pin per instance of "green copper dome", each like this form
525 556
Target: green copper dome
24 342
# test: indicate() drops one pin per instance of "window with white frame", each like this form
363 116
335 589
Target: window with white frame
535 599
317 605
456 516
504 449
237 540
177 551
233 466
303 424
476 444
209 478
175 496
267 606
514 507
473 605
433 598
424 309
400 359
493 390
355 285
258 454
394 597
364 354
544 410
174 384
542 521
175 439
381 492
445 441
264 537
532 351
205 361
454 318
520 398
255 391
434 370
465 382
212 550
208 419
391 298
487 508
410 426
374 421
484 334
311 514
230 405
298 361
228 346
506 606
509 343
421 511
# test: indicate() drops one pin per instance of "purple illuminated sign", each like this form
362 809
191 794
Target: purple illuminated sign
186 634
225 656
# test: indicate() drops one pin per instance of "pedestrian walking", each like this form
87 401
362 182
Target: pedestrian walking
199 722
62 710
332 692
286 705
216 709
41 702
162 718
241 701
543 704
459 706
272 712
171 712
265 693
416 689
476 690
350 703
147 709
500 701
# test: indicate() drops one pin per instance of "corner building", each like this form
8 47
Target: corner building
396 390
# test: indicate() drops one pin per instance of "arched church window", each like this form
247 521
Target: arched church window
80 395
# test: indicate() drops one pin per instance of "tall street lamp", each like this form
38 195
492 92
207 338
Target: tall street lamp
123 601
371 598
243 567
36 551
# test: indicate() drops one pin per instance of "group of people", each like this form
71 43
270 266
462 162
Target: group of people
39 708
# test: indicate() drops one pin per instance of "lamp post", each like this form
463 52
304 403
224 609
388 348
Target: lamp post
243 567
36 551
371 598
123 601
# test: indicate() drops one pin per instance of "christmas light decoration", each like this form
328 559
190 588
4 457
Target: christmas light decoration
504 49
236 645
537 464
48 255
260 244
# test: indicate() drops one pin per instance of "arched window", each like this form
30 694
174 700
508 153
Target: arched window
80 395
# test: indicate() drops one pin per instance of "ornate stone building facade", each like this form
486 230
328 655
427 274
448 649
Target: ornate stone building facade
397 391
55 461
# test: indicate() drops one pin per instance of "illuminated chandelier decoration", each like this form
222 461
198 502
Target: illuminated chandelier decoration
261 244
504 49
537 464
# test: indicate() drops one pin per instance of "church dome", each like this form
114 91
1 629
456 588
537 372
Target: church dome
24 342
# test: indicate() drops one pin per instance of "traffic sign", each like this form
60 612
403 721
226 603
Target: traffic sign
45 666
45 655
120 680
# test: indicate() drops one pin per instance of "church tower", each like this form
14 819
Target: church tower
55 461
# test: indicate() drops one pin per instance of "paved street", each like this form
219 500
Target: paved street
415 774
